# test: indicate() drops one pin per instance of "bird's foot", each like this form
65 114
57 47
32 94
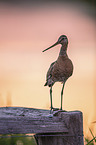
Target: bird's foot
62 110
55 113
55 109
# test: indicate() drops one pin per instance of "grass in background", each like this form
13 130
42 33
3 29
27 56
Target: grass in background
90 142
23 139
17 139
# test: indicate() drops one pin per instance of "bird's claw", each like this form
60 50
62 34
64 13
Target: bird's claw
55 113
54 109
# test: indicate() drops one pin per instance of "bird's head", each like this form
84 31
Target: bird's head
62 40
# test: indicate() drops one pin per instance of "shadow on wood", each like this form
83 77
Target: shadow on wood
63 128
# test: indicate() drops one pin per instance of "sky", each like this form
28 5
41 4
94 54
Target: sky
27 30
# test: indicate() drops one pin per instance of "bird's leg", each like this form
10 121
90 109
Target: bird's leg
51 97
62 95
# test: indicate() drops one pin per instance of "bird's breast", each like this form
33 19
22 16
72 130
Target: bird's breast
63 68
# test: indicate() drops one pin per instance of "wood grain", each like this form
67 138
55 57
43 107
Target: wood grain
59 128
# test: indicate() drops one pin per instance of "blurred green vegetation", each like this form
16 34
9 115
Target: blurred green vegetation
24 139
16 140
92 141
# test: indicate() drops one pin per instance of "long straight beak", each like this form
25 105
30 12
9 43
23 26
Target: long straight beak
51 46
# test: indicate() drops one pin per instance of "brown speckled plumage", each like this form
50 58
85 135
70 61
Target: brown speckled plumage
62 68
59 71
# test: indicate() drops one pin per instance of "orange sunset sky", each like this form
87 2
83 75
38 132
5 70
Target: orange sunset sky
27 30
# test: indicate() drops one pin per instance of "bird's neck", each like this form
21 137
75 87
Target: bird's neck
63 50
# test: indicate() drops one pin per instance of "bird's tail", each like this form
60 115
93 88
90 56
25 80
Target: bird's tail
45 84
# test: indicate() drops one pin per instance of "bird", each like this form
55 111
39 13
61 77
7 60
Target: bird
61 69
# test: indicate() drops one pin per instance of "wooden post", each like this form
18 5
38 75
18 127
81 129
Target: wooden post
63 128
74 136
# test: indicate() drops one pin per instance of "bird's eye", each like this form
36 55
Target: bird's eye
62 39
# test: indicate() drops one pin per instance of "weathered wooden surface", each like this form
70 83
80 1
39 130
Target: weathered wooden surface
16 120
73 122
63 128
